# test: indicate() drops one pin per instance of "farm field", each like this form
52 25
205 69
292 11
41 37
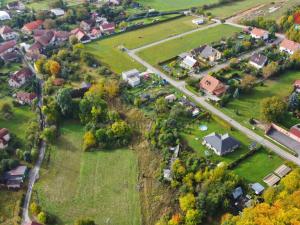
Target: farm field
98 185
168 5
257 166
231 9
108 51
249 105
194 137
174 47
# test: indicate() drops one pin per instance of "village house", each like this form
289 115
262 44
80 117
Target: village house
61 36
258 60
212 85
80 35
28 28
107 28
95 33
15 178
257 188
8 46
10 57
4 15
132 77
170 98
198 21
15 5
86 25
207 53
57 12
20 77
4 138
221 144
7 33
289 46
188 63
259 34
25 97
44 37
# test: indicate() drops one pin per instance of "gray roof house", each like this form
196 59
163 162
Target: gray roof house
257 188
221 144
258 60
207 52
238 192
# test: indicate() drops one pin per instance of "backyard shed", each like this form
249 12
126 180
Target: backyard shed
271 179
282 170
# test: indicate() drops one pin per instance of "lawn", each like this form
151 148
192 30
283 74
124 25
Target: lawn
168 5
194 137
21 116
248 106
8 203
255 168
98 185
108 50
46 4
231 9
172 48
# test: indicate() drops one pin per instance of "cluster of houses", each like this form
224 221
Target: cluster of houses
193 59
93 28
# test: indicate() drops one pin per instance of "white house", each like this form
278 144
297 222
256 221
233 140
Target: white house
259 34
4 15
198 21
289 46
4 138
20 77
170 98
134 81
188 62
130 73
57 12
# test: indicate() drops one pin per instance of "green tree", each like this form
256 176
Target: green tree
49 134
42 217
89 140
64 100
35 209
161 105
84 222
270 70
187 202
272 109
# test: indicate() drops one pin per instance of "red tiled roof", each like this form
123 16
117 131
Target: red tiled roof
291 45
26 96
7 45
36 46
58 81
258 32
212 85
33 25
108 26
45 38
95 31
5 30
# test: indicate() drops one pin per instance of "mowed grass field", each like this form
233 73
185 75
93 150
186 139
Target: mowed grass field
108 50
249 105
172 48
256 167
46 4
168 5
98 185
234 8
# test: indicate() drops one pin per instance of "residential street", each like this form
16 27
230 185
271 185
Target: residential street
180 85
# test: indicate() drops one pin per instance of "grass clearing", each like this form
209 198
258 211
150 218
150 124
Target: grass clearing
174 47
46 4
108 50
256 167
234 8
169 5
97 185
249 105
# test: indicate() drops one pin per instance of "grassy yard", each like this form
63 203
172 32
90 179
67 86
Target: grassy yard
46 4
249 105
8 201
255 168
108 50
194 137
237 7
21 115
174 47
168 5
97 185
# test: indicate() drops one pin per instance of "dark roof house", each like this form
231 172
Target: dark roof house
258 60
221 144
